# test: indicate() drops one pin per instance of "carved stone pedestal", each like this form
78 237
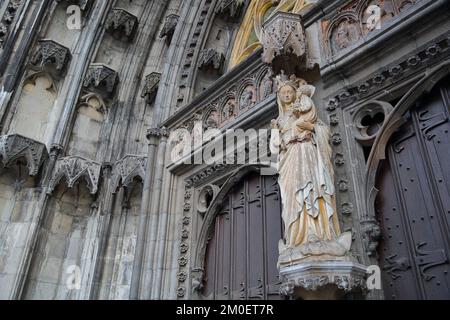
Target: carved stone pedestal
323 280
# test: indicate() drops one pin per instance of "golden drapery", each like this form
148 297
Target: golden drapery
248 38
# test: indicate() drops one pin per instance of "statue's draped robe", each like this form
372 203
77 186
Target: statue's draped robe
306 183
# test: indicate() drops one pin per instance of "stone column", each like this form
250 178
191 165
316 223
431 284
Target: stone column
154 136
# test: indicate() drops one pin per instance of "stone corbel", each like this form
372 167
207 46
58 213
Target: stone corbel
121 23
285 44
371 235
211 58
151 87
197 275
50 54
15 147
73 169
101 79
126 170
323 280
169 26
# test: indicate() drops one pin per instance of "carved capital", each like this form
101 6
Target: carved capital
73 169
285 44
158 133
211 58
121 23
52 54
151 86
169 26
127 169
101 79
15 147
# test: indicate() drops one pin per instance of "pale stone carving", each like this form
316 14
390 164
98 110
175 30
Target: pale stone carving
151 86
309 208
127 169
16 147
169 26
49 52
73 169
306 179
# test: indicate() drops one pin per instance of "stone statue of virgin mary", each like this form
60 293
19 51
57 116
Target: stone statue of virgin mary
306 175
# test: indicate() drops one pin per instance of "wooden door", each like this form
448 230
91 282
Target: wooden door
414 203
242 254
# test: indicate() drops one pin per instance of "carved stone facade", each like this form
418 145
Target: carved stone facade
14 148
73 169
105 131
50 53
169 26
122 23
211 58
8 19
151 86
101 79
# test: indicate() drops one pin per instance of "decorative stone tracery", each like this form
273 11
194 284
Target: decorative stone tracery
126 170
15 147
151 87
169 26
121 23
101 79
52 54
211 58
73 169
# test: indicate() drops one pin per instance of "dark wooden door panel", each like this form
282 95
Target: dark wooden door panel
414 203
242 254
